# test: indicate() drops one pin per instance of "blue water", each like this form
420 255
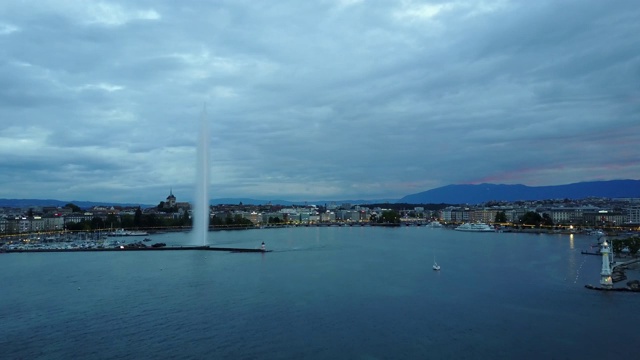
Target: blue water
349 292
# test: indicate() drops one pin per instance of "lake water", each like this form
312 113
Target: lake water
324 293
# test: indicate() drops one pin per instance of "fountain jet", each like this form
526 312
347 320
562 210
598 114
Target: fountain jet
201 199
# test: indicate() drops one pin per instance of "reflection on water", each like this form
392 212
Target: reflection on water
571 245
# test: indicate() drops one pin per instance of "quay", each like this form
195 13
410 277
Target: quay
150 248
618 289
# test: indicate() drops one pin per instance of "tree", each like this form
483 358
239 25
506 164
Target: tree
97 223
74 208
150 220
501 217
112 221
186 220
126 221
617 246
137 218
274 220
79 226
531 218
546 220
389 216
633 244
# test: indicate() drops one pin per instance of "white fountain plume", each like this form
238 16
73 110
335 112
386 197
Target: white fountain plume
201 200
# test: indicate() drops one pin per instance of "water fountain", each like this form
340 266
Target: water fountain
201 201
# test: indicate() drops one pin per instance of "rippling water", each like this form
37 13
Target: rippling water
357 293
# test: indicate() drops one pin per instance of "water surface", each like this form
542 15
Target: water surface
330 292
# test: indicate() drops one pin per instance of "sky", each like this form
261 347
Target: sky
308 100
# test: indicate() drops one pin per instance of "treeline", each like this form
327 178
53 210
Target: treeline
387 217
632 244
530 218
142 221
138 220
235 220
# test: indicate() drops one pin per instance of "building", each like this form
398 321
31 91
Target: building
170 203
633 215
604 218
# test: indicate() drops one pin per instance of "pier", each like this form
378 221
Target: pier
149 248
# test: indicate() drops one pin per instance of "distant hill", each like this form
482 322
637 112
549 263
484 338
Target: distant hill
248 201
450 194
25 203
475 194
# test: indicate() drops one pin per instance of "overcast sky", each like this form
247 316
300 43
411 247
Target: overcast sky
309 100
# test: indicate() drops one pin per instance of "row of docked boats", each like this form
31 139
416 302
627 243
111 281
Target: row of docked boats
123 232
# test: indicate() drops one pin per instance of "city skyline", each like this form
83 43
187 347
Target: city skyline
322 100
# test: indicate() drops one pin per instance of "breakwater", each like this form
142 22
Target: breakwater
125 248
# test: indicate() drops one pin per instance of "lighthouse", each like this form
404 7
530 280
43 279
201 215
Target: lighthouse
605 274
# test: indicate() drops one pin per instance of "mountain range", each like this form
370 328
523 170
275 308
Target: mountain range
450 194
481 193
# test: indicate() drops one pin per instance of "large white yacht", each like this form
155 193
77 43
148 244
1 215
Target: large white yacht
477 227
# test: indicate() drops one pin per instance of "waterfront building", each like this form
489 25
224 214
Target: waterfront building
304 216
53 222
485 215
604 218
328 216
354 215
4 225
633 214
78 217
564 215
455 214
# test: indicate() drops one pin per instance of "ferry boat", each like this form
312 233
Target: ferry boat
475 227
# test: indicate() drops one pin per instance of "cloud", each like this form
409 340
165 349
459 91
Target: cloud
6 29
334 99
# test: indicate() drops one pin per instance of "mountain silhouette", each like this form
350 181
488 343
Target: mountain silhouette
480 193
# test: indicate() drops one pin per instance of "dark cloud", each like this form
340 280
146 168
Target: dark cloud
327 99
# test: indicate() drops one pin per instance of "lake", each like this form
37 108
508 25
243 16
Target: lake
324 292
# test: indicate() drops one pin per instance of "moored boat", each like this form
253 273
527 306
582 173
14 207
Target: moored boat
123 232
475 227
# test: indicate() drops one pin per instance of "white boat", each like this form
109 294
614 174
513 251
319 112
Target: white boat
123 232
475 227
436 267
434 224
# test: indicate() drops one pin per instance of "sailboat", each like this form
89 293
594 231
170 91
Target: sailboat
435 264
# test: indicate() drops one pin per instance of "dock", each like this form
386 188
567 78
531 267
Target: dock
619 289
149 248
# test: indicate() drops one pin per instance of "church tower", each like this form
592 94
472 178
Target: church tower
171 200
